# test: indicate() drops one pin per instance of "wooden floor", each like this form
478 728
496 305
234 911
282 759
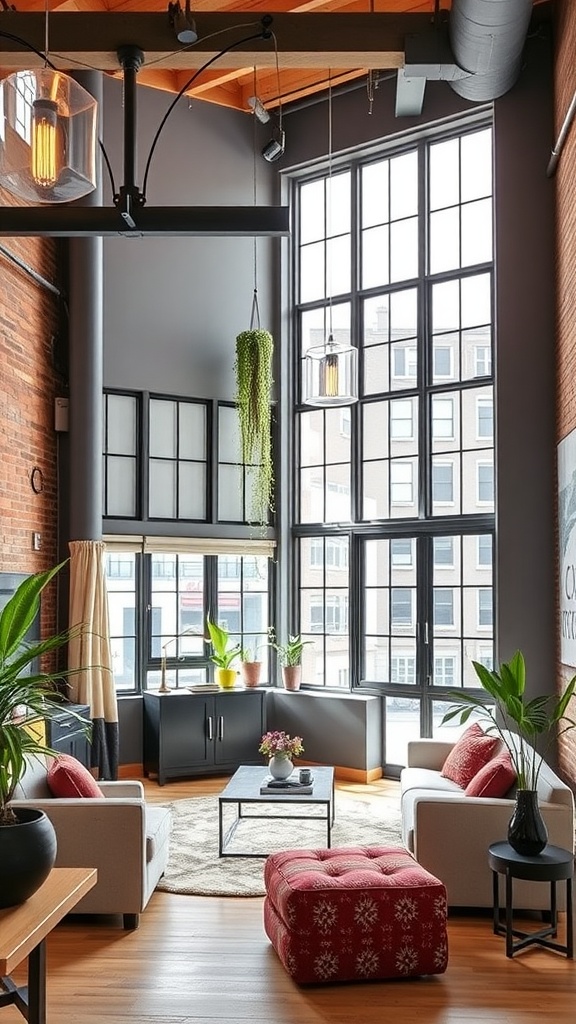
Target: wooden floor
202 960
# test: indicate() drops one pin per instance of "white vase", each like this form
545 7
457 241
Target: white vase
280 766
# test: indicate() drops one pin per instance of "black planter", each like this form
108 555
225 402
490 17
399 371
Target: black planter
27 855
527 833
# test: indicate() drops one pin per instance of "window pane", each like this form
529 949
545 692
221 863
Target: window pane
404 186
230 494
444 240
191 490
444 174
375 259
121 424
375 193
163 429
162 501
120 487
312 281
192 430
338 202
404 250
476 165
312 211
477 232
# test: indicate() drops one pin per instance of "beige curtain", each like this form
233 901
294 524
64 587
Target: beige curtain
89 657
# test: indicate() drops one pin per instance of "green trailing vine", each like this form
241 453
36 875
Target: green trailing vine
253 367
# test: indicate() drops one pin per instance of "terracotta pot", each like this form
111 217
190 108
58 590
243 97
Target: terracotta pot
292 675
250 671
225 677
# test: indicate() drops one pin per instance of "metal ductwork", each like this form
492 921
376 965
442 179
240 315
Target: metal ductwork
487 39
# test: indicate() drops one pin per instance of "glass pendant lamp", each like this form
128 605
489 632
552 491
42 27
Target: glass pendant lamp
331 374
330 370
48 137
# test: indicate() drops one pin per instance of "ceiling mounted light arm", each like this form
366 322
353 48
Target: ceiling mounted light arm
266 21
129 196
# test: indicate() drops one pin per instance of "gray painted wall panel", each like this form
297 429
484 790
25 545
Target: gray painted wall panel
339 730
173 306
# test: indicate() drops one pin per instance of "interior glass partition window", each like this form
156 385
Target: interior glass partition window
410 484
121 416
177 446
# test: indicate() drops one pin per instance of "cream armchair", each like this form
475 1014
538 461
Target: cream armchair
126 840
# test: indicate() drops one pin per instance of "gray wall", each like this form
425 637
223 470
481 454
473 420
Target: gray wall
341 730
180 337
173 306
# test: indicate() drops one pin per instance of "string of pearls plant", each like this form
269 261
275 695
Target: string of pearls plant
253 367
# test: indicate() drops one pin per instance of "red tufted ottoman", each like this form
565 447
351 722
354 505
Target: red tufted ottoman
354 914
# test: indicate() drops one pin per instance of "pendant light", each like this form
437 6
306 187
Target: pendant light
48 134
331 369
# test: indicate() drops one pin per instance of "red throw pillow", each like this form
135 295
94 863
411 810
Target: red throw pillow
494 779
468 755
68 777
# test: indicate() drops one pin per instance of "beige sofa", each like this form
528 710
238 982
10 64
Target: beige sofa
126 840
449 833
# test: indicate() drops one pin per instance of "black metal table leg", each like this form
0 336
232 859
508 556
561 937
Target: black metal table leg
37 984
495 903
509 936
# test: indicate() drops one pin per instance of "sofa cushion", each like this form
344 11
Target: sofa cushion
494 779
67 777
468 755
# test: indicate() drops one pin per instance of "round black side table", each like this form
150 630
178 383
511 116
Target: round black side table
552 865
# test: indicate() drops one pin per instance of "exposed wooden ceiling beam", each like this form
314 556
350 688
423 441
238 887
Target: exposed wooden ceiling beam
305 40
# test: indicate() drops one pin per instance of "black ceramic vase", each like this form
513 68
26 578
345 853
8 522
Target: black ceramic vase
27 855
527 833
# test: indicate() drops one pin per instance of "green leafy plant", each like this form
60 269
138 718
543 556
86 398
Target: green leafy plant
508 710
253 367
224 653
289 653
27 696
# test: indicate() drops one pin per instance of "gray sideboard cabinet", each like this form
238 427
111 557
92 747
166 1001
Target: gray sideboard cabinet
188 734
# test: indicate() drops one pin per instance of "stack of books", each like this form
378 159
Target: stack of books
290 785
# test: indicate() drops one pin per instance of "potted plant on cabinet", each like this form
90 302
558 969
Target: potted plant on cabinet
224 654
27 696
518 722
290 655
250 666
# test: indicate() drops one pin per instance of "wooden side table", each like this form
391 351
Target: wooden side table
552 865
23 931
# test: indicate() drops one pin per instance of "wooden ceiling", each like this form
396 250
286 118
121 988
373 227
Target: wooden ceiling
314 49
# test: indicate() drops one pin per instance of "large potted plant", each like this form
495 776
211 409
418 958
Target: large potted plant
224 654
253 368
28 695
290 655
519 723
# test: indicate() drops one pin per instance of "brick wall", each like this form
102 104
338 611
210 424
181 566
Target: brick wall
28 386
565 87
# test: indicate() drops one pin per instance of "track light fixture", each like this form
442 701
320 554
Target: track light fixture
274 149
183 23
258 109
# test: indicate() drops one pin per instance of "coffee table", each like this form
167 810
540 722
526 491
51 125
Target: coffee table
244 788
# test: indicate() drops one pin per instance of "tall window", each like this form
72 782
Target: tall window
399 244
158 605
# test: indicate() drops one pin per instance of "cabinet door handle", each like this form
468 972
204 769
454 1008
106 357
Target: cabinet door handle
220 727
210 728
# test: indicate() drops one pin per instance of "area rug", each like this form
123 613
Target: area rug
194 867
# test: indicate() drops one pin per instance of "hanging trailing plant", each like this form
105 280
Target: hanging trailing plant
253 369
